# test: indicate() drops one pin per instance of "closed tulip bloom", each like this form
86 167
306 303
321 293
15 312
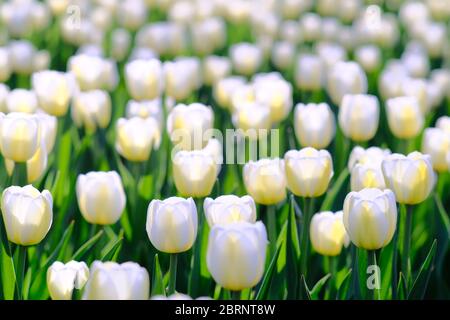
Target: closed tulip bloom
4 92
62 279
145 109
411 177
246 58
224 88
27 214
345 78
180 79
369 156
404 116
47 129
136 137
172 224
22 54
277 94
369 57
436 143
309 72
114 281
101 197
236 254
359 116
35 166
54 90
417 88
5 64
250 117
366 176
187 124
228 209
215 68
91 110
314 124
443 123
327 233
144 79
265 180
283 54
88 70
194 172
370 217
21 100
120 44
308 171
19 136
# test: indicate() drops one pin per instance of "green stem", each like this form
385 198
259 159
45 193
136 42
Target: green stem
20 270
194 279
272 228
235 295
20 175
406 260
173 273
307 214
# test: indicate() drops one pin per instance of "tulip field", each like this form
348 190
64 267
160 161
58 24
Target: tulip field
224 149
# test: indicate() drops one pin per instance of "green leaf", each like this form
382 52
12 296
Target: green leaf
442 213
386 267
8 276
314 292
112 249
79 254
331 195
401 287
344 286
267 279
420 284
292 251
304 290
157 278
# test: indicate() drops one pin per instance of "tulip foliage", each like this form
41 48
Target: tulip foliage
245 149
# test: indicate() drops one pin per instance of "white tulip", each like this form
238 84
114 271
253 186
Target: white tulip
92 110
228 209
309 72
346 78
144 79
63 278
405 119
327 233
21 100
246 58
436 143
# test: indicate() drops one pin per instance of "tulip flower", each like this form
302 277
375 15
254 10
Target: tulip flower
369 57
91 72
277 94
246 58
358 116
443 123
187 125
195 172
224 88
144 79
19 136
136 137
346 78
404 117
229 209
314 125
370 156
367 175
265 180
181 78
27 214
172 224
101 197
53 90
252 118
35 166
283 54
22 53
327 233
436 143
411 177
113 281
47 129
241 245
215 68
370 217
92 109
21 100
309 73
62 279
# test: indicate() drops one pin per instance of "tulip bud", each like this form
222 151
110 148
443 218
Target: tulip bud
4 92
370 217
144 79
229 209
113 281
146 109
91 109
188 124
53 90
366 176
21 100
314 125
251 117
63 278
443 123
90 72
246 58
310 26
436 143
19 136
120 44
195 172
404 117
359 116
283 54
410 177
331 53
27 214
265 180
308 171
277 94
369 57
327 233
101 197
309 72
224 88
136 137
5 64
172 224
370 156
215 68
346 78
22 54
132 14
237 244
